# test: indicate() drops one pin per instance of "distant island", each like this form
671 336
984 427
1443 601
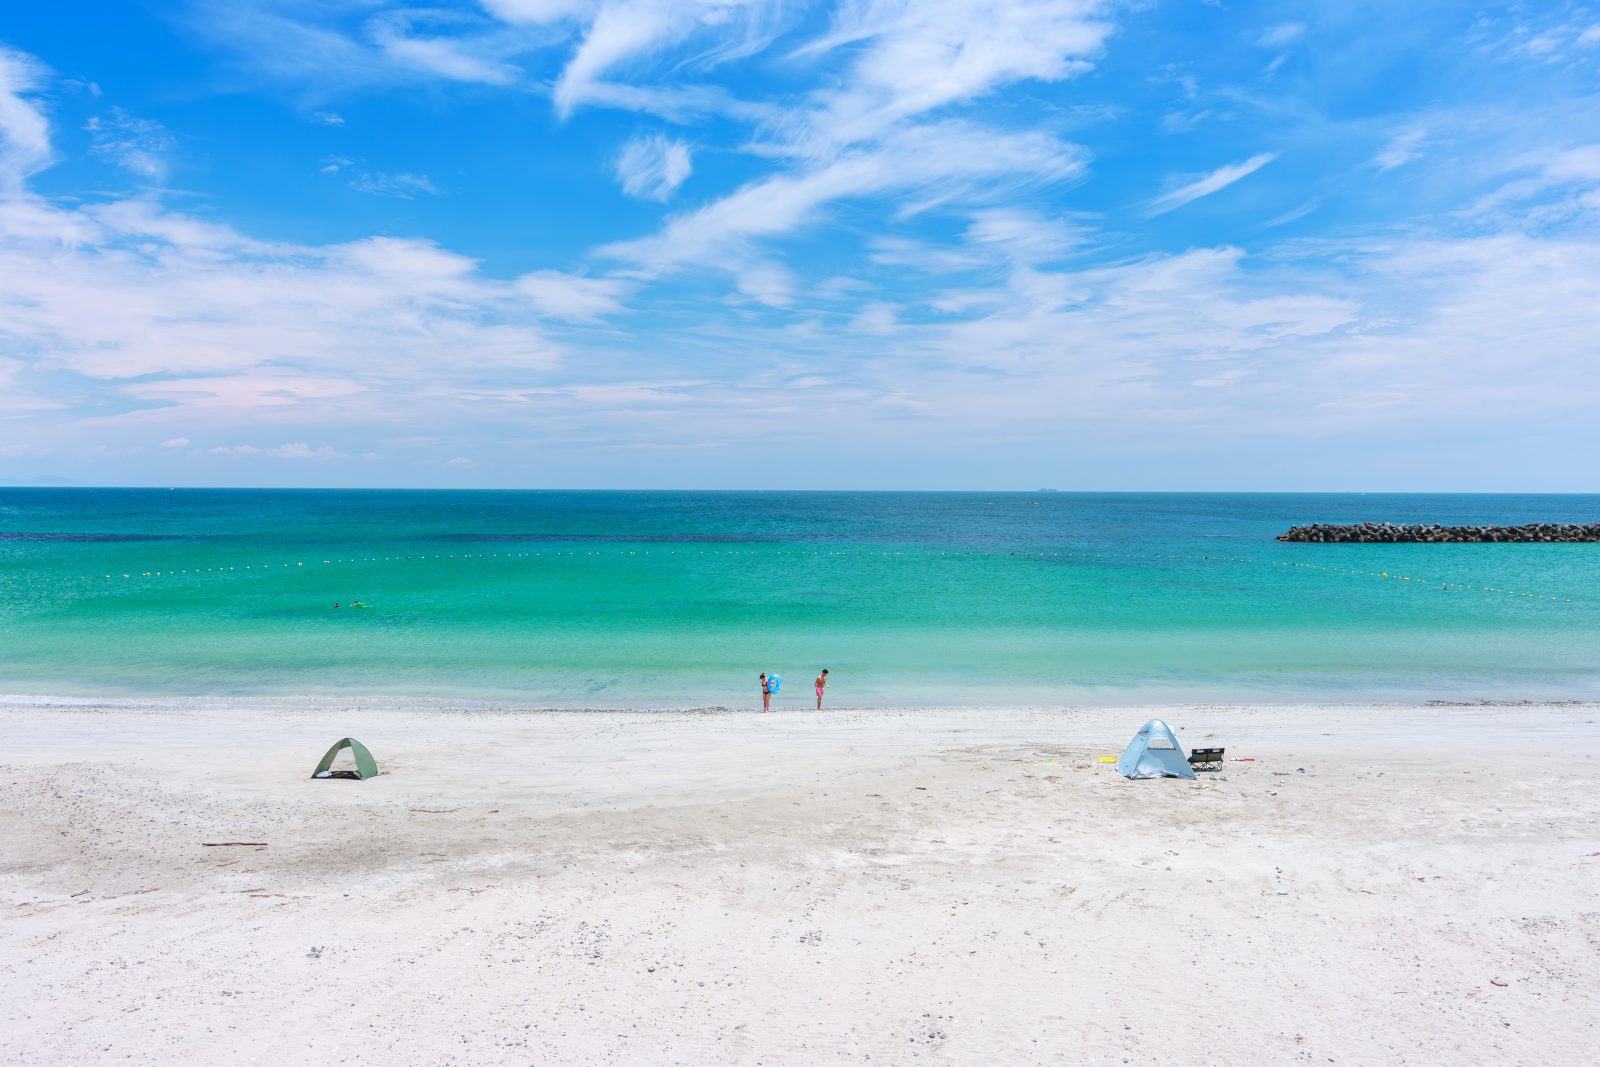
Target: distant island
1431 533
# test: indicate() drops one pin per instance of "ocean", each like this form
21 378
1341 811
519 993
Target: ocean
679 599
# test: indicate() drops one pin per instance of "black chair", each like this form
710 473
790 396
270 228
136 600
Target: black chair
1206 759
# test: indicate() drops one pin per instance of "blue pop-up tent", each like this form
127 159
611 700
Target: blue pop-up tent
1154 752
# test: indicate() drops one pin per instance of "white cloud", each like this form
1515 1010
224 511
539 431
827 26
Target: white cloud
1541 45
333 46
840 287
192 316
876 317
400 186
1590 36
1404 147
327 118
766 282
1399 332
1557 185
1218 179
1024 236
459 59
175 442
652 168
271 40
1282 34
301 450
912 57
624 32
24 133
538 12
1294 214
572 297
292 450
135 144
868 134
939 162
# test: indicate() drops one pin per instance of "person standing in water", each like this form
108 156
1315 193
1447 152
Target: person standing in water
822 683
766 693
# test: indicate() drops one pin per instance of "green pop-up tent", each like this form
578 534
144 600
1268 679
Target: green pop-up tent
366 766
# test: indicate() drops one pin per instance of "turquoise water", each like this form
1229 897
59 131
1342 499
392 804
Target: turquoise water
646 598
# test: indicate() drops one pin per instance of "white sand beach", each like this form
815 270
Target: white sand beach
884 886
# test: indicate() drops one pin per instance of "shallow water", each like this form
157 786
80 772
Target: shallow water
650 598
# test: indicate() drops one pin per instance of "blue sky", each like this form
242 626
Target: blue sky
743 243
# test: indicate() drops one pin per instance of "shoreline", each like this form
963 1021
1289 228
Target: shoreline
282 703
1382 883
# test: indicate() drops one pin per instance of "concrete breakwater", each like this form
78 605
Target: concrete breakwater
1388 532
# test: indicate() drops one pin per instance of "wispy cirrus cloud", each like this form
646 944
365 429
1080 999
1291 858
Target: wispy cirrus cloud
622 33
1207 184
24 132
879 132
327 47
912 58
933 162
1284 33
468 59
1404 147
652 168
402 186
572 298
136 144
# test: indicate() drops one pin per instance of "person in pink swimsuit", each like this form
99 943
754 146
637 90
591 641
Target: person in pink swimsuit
822 683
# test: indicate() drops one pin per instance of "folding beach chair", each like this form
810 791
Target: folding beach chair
1206 759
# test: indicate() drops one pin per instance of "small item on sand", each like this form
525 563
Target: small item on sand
366 766
1105 759
1502 983
1241 759
224 844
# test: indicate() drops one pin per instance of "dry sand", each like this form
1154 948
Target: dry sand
725 887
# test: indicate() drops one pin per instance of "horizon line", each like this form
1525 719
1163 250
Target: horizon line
745 489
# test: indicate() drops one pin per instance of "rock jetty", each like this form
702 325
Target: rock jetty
1384 532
